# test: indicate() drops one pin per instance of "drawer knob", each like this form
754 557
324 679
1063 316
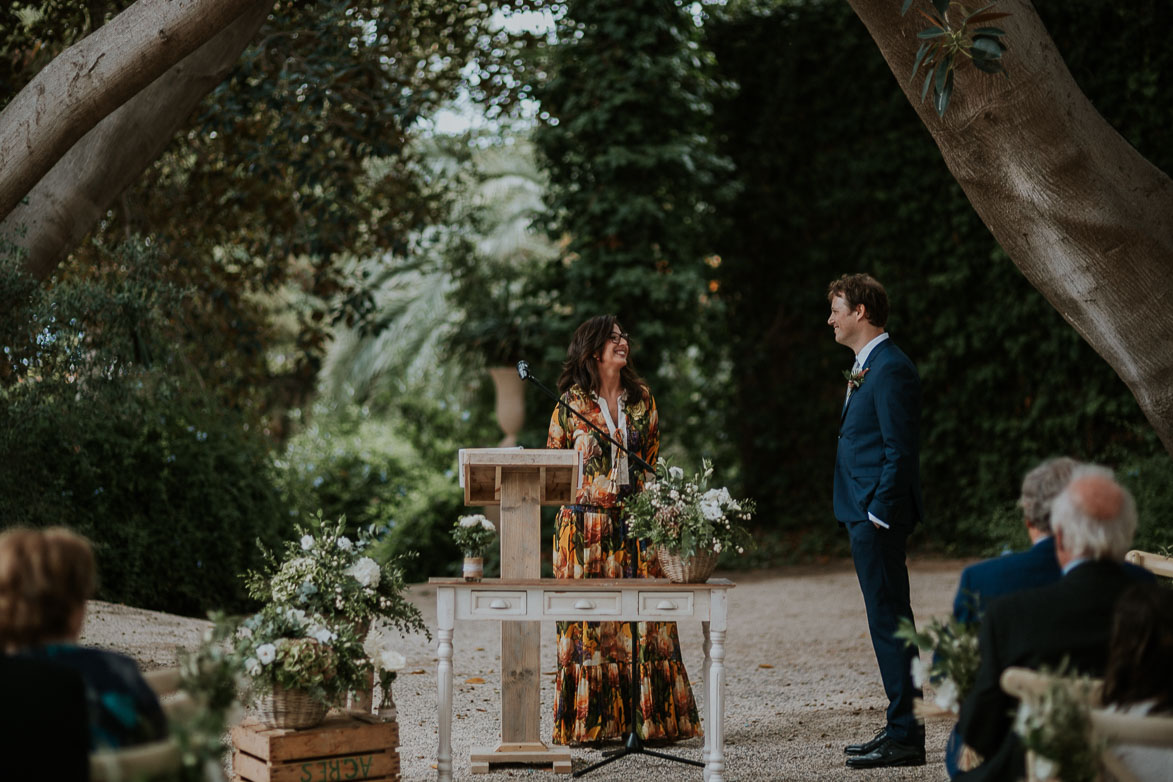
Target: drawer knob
665 605
499 603
584 605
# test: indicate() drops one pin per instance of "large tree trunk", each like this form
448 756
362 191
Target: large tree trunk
93 78
1079 211
78 190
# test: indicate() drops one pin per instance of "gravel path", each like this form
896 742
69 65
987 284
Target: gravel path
801 679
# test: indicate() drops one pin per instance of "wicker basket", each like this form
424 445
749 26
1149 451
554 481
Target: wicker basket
294 709
687 570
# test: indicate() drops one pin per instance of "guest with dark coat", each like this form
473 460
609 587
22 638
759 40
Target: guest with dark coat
1093 520
46 576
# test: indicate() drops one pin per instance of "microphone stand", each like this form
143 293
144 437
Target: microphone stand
632 743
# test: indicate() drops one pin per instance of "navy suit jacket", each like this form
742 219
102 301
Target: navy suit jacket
877 464
983 581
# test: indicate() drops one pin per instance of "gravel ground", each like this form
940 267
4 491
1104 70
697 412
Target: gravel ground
801 679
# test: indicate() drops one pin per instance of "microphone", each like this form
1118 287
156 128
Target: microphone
524 373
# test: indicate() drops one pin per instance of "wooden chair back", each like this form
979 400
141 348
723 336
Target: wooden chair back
1154 563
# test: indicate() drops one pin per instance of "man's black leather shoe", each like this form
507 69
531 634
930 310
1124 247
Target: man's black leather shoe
868 746
889 753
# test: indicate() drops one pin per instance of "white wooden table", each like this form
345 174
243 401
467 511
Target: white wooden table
602 600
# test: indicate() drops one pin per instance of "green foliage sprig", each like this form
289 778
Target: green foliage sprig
327 573
1055 726
946 41
211 675
955 658
686 516
473 534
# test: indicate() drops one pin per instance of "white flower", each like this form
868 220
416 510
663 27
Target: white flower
253 666
390 660
473 520
322 634
710 509
307 542
244 632
717 546
488 524
365 572
297 615
920 672
1045 768
344 543
676 472
266 653
947 698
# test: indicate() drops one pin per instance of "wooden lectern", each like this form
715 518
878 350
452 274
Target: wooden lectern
520 481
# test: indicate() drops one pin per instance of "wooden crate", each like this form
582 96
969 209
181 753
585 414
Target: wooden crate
341 748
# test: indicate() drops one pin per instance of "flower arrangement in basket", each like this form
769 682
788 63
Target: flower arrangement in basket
689 523
955 658
473 534
299 663
326 572
1054 728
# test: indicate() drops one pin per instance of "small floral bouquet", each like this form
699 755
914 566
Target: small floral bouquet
955 658
388 661
287 648
473 534
327 573
1055 726
685 516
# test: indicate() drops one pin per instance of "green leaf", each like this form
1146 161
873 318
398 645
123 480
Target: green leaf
988 48
925 89
944 68
977 11
993 32
920 55
930 32
987 17
941 5
944 93
905 7
987 66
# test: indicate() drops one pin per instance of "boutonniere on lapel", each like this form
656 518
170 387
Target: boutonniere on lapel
855 379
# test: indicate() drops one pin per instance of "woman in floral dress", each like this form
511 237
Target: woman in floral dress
594 685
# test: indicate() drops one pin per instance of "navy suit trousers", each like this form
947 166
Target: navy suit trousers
879 556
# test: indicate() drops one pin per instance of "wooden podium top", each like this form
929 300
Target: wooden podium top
557 473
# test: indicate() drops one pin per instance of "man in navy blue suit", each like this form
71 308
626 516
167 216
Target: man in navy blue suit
878 500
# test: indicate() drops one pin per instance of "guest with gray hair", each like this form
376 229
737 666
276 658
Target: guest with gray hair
1093 519
982 582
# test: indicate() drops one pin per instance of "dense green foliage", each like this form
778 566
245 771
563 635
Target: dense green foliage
103 429
838 175
634 186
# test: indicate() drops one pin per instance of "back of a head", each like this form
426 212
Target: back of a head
1141 648
1094 515
1039 488
45 577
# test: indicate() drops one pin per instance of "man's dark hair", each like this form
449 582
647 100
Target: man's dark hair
857 289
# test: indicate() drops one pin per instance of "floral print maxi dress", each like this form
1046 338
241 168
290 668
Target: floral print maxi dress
594 685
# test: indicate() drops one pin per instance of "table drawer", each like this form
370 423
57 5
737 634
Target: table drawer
583 603
491 602
674 603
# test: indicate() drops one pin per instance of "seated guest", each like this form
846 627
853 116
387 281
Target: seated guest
1139 677
1037 566
46 576
1093 520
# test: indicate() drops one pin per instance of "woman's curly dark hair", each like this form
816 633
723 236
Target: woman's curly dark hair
581 366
